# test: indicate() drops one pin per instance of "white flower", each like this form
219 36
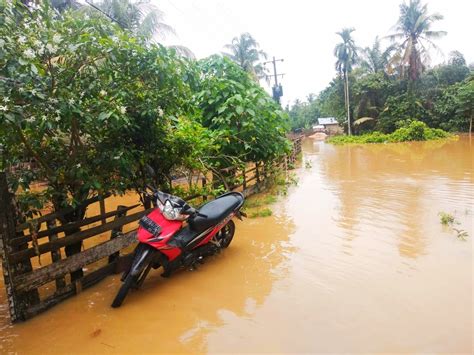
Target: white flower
37 43
3 108
102 93
58 112
22 39
57 118
21 89
6 99
78 165
20 180
56 38
51 48
2 43
29 53
123 109
44 117
53 100
115 39
71 101
31 119
160 111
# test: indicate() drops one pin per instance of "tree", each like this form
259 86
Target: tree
374 59
244 50
346 54
138 16
414 31
251 126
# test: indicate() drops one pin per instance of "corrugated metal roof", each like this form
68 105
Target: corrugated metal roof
327 120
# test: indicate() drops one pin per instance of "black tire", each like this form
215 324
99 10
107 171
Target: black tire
122 293
226 234
132 280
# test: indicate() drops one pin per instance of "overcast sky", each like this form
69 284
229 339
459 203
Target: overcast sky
304 32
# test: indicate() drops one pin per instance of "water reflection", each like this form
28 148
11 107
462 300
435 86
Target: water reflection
387 188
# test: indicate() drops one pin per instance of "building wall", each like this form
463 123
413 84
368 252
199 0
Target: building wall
334 129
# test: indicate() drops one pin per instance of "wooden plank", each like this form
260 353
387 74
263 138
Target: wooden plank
48 273
76 237
57 214
67 227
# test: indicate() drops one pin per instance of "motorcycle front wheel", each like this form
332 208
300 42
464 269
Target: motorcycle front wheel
140 266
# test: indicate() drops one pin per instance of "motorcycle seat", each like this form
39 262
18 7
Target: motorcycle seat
215 211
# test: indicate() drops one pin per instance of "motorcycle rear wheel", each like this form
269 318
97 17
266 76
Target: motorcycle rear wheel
226 234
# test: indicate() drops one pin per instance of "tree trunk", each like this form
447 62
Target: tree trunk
470 124
346 84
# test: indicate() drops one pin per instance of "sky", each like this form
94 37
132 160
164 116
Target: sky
303 33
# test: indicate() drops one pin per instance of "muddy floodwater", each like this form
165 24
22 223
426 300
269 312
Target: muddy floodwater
353 259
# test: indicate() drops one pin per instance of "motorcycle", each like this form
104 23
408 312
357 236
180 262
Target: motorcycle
176 236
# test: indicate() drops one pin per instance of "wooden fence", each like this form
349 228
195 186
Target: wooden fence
44 260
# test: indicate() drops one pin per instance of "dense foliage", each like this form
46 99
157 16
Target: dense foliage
91 104
410 131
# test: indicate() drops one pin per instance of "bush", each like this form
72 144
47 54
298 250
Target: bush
410 131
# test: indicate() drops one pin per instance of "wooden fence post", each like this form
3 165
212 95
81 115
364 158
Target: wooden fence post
17 302
116 231
204 183
55 254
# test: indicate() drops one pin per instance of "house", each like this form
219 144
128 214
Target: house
330 124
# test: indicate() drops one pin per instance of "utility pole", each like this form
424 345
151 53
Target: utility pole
277 89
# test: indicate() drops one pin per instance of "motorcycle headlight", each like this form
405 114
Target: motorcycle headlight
169 211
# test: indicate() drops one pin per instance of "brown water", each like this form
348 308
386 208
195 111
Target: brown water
354 259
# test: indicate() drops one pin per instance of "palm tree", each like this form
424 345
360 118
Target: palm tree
139 16
346 54
244 50
374 60
414 30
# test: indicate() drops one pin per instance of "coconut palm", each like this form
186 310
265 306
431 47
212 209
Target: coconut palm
346 54
414 31
244 50
138 16
374 59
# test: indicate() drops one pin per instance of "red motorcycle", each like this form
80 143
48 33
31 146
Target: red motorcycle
175 235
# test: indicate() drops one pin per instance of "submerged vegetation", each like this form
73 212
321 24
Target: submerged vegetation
448 219
412 131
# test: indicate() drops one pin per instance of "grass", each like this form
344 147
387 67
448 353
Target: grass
265 212
412 131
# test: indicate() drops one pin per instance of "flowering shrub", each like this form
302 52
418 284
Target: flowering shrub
84 100
91 105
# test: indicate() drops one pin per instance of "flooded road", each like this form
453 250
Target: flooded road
354 259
